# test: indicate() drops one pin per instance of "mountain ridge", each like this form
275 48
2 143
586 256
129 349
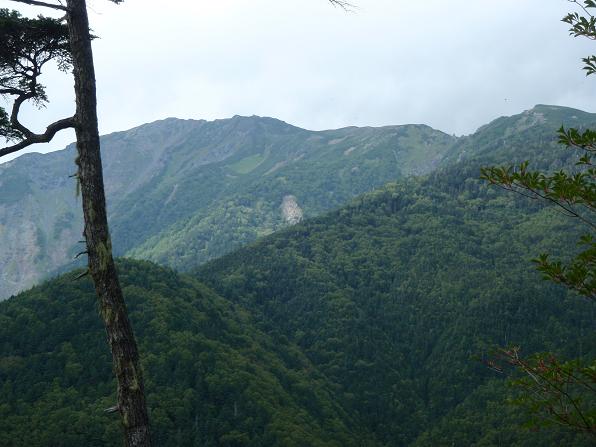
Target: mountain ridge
172 119
185 191
174 168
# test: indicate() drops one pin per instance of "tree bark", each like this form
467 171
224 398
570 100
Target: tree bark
131 397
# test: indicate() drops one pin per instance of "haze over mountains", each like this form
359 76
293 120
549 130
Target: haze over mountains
361 326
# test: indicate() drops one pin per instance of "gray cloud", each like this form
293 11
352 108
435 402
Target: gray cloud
453 65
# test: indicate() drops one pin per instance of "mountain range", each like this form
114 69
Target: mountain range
182 192
363 320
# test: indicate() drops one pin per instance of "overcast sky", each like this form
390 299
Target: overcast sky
454 65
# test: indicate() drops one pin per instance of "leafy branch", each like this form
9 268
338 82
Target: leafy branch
583 25
578 275
555 392
561 393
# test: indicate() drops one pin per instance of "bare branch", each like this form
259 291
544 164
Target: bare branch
347 6
45 137
81 253
14 116
38 3
82 275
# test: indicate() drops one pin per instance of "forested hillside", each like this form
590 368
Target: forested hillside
267 187
212 378
182 190
367 326
363 327
399 297
356 160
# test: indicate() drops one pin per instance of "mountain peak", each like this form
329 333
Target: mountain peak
554 108
560 114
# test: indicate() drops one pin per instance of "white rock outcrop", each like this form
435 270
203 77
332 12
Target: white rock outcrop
291 212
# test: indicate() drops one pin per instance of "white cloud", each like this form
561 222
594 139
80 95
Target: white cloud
453 65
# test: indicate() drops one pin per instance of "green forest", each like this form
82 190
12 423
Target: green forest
441 267
212 377
245 282
368 326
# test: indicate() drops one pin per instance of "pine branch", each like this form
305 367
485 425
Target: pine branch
342 4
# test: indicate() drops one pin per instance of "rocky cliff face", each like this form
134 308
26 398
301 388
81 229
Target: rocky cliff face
290 210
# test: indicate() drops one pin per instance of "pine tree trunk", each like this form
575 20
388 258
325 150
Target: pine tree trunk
131 397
